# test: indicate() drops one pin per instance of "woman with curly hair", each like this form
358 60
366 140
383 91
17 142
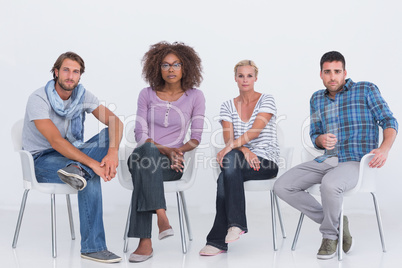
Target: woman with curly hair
251 153
165 112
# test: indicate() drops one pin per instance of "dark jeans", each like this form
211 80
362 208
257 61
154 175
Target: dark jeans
230 198
149 169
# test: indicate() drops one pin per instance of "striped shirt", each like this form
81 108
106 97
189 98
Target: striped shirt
266 144
353 116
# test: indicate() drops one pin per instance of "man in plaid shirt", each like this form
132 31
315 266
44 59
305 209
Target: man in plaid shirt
344 120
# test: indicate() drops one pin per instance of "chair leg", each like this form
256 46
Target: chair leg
125 246
53 219
299 225
70 216
181 222
20 216
280 216
379 221
340 236
186 217
273 218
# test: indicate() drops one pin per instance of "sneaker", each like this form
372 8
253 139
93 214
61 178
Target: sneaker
327 249
101 256
73 176
209 250
234 234
347 238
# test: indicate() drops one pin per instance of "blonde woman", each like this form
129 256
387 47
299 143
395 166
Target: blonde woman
251 153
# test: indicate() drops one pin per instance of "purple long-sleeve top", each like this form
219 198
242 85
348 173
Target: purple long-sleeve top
167 123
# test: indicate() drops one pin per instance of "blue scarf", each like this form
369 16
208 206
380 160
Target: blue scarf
74 113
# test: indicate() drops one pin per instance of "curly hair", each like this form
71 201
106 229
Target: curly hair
191 65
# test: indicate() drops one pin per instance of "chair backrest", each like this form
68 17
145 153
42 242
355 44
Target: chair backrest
127 146
16 134
27 164
367 175
285 152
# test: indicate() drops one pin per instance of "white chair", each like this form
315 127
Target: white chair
178 186
366 184
30 182
285 160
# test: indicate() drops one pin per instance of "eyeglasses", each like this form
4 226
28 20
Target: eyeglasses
166 66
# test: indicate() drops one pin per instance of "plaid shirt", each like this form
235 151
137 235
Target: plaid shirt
353 116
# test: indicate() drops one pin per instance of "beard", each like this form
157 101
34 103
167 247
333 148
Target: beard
337 89
66 87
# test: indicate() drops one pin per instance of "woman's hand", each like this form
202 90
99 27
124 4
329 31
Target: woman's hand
176 157
222 153
251 159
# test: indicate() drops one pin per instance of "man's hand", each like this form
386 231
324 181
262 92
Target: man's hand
327 141
379 158
110 163
100 171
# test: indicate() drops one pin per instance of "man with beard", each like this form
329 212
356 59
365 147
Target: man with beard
344 120
53 133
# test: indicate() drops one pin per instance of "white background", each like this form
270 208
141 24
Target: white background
286 39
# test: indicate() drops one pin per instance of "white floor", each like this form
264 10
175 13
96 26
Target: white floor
254 249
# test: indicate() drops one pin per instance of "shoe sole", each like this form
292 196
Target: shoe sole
100 260
212 254
66 178
326 257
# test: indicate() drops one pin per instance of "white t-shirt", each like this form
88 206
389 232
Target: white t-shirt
38 107
266 144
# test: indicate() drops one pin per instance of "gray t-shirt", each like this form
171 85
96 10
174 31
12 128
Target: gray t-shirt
38 107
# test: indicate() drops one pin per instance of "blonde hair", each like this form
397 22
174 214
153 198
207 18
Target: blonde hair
246 63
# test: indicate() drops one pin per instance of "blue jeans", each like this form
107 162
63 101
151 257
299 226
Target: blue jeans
90 198
230 198
149 169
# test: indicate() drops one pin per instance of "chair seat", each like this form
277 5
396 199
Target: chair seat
175 186
52 188
259 185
